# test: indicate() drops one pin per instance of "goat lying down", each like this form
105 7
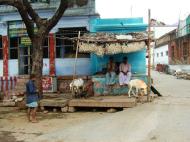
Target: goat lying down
76 86
139 86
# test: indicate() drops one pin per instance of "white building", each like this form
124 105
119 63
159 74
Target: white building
160 53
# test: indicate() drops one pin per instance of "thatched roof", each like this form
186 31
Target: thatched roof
109 43
112 37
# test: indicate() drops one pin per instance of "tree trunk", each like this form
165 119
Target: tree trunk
37 61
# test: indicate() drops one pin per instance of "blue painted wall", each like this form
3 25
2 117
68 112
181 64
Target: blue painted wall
124 25
66 66
136 59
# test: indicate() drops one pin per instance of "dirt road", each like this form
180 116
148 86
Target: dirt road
167 119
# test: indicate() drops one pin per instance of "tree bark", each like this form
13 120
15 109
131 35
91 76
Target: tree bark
37 61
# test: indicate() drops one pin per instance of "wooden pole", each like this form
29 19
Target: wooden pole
149 57
76 55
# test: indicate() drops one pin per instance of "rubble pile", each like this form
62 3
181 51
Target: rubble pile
182 75
16 96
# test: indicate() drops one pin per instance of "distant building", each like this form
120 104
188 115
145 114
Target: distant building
160 53
177 42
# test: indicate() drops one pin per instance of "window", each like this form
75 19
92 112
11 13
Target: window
13 51
166 53
161 54
46 49
66 48
59 47
157 54
1 49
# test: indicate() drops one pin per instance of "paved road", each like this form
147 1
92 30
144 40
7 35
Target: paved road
167 119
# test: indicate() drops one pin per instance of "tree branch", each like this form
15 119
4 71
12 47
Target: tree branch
18 4
28 22
58 14
29 15
8 2
34 15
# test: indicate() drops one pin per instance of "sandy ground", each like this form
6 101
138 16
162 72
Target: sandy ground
167 119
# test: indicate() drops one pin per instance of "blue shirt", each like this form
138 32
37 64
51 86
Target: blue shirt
31 94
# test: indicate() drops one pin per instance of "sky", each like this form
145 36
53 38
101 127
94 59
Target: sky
167 11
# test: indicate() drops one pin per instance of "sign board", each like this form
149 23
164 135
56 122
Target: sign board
17 32
25 41
49 84
18 28
42 1
5 56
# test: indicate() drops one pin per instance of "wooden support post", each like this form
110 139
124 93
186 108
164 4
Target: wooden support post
51 55
71 109
54 109
76 56
5 61
15 81
42 108
7 83
149 57
11 82
111 110
2 84
5 55
64 109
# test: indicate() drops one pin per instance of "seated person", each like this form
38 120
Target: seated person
125 72
111 75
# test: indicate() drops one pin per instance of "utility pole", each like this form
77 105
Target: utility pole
149 56
131 10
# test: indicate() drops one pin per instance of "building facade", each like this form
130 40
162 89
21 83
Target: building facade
15 46
160 52
178 44
120 26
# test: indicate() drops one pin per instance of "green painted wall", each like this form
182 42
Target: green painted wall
188 24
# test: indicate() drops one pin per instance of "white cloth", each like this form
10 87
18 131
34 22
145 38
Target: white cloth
124 79
125 67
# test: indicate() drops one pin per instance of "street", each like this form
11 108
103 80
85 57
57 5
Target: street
166 119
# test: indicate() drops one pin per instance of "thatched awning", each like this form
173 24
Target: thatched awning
109 44
112 37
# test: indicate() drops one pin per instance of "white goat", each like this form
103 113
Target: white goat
140 87
177 73
76 86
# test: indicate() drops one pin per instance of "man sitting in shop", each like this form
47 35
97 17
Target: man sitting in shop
125 72
111 75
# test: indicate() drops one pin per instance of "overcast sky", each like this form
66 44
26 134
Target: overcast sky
168 11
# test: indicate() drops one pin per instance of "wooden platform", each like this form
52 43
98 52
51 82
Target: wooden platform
53 102
69 105
104 101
